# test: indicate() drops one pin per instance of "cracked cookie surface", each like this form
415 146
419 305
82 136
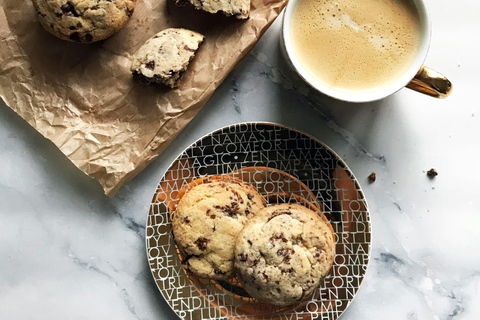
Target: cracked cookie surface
238 8
207 221
165 56
83 20
282 254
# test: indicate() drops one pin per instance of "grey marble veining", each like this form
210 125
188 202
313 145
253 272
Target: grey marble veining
69 252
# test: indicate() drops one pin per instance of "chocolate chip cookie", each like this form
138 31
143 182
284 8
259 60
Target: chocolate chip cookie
238 8
165 56
83 20
282 254
207 221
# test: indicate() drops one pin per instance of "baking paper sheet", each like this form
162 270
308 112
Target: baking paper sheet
84 98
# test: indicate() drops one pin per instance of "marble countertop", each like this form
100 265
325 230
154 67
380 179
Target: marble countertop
67 251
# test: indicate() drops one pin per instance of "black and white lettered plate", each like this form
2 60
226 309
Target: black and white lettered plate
284 165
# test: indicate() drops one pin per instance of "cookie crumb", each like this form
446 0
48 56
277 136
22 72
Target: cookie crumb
372 177
432 173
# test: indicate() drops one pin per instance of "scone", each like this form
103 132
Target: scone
282 254
165 56
207 221
238 8
83 20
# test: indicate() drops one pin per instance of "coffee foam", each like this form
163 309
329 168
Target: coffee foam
355 44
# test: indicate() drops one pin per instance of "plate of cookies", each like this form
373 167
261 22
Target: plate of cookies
258 221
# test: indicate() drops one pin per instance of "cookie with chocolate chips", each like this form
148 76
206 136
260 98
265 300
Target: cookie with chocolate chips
83 20
207 221
282 254
237 8
165 56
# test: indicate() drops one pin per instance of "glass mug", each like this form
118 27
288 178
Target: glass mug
417 76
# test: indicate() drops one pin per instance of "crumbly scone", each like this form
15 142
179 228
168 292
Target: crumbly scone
165 56
238 8
282 254
83 20
207 221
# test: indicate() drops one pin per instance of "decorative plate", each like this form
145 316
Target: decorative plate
285 165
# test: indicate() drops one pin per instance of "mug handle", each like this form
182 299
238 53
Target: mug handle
431 82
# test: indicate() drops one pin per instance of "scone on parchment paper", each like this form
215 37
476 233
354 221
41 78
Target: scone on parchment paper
207 221
83 20
282 254
238 8
165 56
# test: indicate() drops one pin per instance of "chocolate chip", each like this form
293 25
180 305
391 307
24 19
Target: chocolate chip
41 13
242 257
432 173
218 271
75 36
150 65
186 220
68 9
298 239
291 270
372 177
201 243
88 37
213 216
249 242
278 290
72 28
250 196
128 12
285 253
278 236
230 210
265 275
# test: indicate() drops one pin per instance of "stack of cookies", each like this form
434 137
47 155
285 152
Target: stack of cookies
279 253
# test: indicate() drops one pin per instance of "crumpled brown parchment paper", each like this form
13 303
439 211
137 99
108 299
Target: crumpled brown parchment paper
84 99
